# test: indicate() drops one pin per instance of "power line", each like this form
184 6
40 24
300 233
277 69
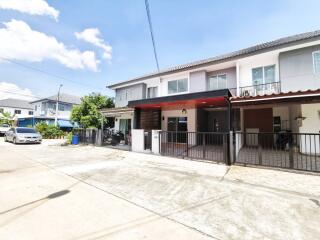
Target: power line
21 94
45 72
151 32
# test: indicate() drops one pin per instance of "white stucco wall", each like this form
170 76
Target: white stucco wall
295 111
297 70
24 112
311 123
153 82
165 80
247 64
155 141
137 140
191 115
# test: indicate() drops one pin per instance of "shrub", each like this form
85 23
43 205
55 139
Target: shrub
49 131
69 137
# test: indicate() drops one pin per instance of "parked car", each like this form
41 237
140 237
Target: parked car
4 128
22 135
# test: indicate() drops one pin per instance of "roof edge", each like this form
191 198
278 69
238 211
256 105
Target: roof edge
250 51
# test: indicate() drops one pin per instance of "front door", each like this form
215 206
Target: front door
177 128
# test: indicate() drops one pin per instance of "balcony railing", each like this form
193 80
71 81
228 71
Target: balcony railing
260 89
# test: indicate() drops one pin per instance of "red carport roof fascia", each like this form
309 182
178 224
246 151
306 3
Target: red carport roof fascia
204 98
203 102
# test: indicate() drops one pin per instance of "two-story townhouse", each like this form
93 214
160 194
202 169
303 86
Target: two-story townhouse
16 107
277 67
45 111
270 87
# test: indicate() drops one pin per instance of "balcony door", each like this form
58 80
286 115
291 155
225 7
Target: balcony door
264 80
177 128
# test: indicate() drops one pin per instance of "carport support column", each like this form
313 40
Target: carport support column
136 118
229 140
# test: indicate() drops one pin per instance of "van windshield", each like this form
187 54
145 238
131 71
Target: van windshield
25 130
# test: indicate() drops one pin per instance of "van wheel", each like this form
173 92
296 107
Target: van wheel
14 141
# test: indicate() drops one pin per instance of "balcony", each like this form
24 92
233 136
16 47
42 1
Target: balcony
261 89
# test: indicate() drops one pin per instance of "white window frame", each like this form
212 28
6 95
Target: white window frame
157 87
263 74
313 62
188 83
217 75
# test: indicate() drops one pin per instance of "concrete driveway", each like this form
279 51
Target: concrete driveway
53 192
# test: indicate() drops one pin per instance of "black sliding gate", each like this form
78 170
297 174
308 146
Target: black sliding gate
298 151
209 146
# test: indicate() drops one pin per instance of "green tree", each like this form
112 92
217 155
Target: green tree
87 114
6 118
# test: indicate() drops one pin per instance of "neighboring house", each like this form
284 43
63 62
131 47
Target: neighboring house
46 107
270 87
16 107
64 124
45 111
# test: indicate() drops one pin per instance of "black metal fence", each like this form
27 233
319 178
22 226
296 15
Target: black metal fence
300 151
88 136
147 139
210 146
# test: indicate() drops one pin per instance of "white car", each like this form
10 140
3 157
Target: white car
22 135
4 128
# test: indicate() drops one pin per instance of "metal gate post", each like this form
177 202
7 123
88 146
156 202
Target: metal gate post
232 147
159 137
226 148
259 150
291 165
204 145
187 144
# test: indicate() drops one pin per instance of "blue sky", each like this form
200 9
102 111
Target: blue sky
184 31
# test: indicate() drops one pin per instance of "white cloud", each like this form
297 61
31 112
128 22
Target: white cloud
33 7
10 90
18 41
93 36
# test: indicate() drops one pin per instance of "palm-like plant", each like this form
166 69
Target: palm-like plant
6 118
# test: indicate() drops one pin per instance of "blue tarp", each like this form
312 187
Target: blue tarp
65 124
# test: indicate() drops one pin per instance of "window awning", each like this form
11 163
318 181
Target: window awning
65 123
116 112
209 98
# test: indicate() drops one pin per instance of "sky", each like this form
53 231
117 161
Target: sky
86 45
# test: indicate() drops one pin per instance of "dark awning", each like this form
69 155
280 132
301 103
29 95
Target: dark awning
116 112
208 98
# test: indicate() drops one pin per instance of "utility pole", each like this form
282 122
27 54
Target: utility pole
57 106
